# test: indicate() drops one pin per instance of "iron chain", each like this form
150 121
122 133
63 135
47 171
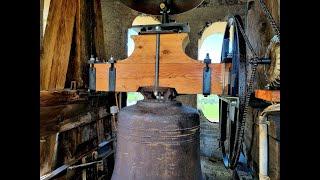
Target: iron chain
271 20
254 61
245 106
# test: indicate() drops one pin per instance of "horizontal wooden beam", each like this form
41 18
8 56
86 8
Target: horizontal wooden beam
59 97
82 120
73 116
268 95
51 116
176 69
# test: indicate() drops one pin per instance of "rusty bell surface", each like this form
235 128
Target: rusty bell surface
158 139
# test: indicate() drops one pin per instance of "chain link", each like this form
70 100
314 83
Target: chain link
244 106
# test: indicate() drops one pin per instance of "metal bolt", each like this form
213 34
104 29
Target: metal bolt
162 5
111 60
114 110
91 60
158 28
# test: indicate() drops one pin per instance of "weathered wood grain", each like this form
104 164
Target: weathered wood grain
82 43
49 42
176 68
48 153
98 30
83 119
51 116
268 95
54 98
63 45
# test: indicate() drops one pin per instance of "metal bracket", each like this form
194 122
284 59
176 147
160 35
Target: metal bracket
92 74
162 28
206 85
112 75
92 78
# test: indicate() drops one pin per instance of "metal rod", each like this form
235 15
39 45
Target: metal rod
263 141
54 173
84 164
156 82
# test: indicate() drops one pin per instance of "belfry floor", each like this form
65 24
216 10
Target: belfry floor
211 158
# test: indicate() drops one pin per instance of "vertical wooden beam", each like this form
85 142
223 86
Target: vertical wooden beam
48 152
63 45
87 39
74 66
41 21
85 34
98 30
77 57
49 41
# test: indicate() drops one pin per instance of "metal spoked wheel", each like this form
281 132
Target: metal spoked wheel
231 106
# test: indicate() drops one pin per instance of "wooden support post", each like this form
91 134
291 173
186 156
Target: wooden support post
57 44
98 30
79 54
49 42
87 40
62 48
48 152
41 21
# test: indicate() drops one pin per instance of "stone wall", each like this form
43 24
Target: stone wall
117 18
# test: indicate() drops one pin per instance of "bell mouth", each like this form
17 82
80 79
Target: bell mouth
152 6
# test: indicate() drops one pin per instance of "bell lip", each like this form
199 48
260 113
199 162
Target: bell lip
153 11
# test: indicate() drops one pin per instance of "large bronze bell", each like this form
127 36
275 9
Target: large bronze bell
158 139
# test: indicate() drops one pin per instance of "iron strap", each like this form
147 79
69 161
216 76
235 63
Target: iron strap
112 75
206 84
92 78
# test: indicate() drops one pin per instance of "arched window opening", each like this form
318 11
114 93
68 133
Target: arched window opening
211 42
133 97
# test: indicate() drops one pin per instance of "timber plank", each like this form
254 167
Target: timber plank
176 68
80 53
98 30
48 153
90 116
63 45
268 95
82 120
49 42
75 64
54 98
51 116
